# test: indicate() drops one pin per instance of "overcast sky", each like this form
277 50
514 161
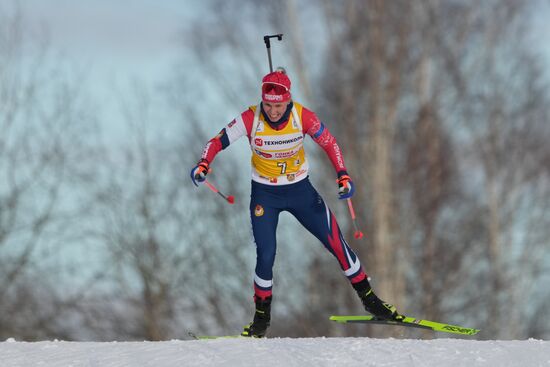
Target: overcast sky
116 40
122 36
129 36
112 41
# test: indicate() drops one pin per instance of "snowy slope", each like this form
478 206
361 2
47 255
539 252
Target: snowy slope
279 352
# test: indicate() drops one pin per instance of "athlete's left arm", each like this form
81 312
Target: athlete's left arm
322 136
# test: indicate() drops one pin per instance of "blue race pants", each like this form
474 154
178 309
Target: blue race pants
303 202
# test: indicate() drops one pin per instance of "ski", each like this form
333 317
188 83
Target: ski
213 337
407 322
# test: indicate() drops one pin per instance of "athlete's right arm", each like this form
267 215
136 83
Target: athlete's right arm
238 127
241 125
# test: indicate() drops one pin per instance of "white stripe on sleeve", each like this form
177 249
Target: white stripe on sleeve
235 129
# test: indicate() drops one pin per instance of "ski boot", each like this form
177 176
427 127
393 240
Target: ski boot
258 327
375 305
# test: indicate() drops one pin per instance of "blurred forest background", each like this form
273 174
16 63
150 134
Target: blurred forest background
440 106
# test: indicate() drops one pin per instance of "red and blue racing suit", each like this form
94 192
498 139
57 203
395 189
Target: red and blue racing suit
280 183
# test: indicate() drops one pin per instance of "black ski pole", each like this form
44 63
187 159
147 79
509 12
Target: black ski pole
268 46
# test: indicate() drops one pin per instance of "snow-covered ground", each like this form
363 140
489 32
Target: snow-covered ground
286 352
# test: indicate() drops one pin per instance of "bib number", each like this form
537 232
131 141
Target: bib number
283 167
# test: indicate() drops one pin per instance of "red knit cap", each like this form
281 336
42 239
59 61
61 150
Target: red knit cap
276 87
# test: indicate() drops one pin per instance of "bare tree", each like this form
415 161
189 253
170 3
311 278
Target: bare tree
439 70
42 119
239 88
405 85
172 260
505 119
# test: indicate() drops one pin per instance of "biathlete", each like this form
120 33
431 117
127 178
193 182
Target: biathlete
275 130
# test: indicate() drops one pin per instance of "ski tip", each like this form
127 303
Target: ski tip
453 329
408 322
